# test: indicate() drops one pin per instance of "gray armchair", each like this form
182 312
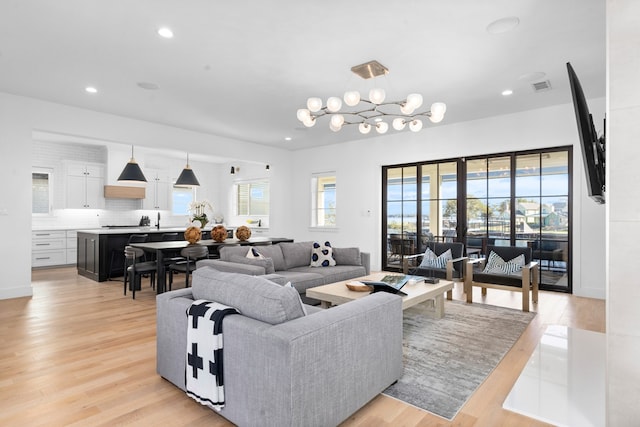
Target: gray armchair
524 282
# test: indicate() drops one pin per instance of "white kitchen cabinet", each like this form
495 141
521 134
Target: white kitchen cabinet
72 246
259 232
84 185
48 248
53 247
158 188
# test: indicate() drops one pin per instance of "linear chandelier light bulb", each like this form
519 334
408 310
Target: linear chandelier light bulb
438 108
368 113
407 109
415 125
382 127
377 95
352 98
314 104
334 104
337 120
399 123
303 114
364 128
414 100
309 121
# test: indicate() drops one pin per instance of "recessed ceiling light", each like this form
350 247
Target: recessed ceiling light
507 92
148 85
287 138
91 89
165 32
503 25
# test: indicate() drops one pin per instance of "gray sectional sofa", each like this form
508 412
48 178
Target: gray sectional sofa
282 366
290 262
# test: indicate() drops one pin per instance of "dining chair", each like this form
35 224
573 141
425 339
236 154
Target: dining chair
191 253
134 269
116 253
174 255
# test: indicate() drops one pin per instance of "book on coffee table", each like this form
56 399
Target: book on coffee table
390 283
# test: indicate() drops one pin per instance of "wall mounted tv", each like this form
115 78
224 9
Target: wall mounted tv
593 147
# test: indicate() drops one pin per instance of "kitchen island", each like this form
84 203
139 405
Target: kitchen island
100 251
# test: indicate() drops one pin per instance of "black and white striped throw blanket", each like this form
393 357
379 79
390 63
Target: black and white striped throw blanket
204 368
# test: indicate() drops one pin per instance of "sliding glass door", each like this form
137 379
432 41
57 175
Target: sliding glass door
520 199
421 206
543 213
401 218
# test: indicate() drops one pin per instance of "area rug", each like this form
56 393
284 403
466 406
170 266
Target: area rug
446 360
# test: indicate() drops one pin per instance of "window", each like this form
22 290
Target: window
41 192
181 198
510 199
252 198
323 200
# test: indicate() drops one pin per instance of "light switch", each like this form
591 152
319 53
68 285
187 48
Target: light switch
4 211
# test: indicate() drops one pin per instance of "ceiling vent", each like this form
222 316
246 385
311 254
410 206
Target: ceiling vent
542 86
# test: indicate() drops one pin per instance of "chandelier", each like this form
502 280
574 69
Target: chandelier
371 113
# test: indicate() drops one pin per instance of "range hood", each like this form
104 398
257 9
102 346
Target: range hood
123 192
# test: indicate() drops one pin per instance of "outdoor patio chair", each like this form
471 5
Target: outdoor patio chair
507 275
452 270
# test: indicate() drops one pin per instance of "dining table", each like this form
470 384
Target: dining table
161 249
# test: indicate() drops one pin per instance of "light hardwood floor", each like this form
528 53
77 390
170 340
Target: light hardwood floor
80 353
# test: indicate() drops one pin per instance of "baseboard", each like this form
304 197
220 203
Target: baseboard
589 293
9 293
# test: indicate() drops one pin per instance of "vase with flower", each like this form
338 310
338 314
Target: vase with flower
198 212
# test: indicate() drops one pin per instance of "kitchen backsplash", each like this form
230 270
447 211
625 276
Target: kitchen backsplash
96 218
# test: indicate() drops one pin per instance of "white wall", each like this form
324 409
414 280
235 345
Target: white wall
20 117
623 213
15 199
358 166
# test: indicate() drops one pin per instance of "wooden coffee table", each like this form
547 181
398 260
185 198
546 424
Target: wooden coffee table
418 292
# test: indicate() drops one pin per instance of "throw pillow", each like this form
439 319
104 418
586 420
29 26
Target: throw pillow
497 265
266 263
431 260
347 256
322 255
304 310
253 253
253 296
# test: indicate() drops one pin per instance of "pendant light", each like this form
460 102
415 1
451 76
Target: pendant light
132 171
187 178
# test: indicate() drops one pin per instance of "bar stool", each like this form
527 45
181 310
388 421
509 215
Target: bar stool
135 270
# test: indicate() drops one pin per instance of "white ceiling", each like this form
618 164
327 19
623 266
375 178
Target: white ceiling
242 68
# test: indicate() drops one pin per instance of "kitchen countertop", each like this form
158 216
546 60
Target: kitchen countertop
129 230
126 230
54 228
